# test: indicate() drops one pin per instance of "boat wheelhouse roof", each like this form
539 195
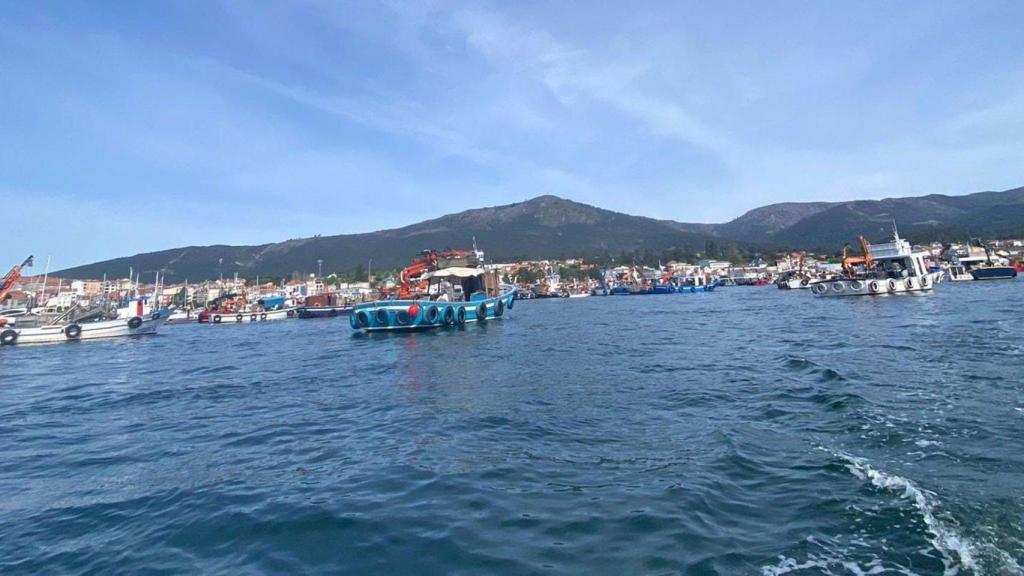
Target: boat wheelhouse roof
456 272
898 248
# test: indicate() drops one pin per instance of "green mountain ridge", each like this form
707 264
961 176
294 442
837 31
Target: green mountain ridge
551 227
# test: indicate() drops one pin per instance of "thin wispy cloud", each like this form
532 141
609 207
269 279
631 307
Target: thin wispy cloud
279 120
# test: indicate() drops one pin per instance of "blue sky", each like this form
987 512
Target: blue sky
130 127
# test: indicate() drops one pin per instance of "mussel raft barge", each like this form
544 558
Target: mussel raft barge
444 311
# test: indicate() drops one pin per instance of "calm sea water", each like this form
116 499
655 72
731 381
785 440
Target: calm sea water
748 431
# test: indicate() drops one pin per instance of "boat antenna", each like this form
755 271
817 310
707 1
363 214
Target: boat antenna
895 232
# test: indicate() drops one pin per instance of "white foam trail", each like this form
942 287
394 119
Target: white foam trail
824 564
957 551
787 565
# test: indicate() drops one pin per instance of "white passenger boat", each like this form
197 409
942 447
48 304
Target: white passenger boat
22 333
892 268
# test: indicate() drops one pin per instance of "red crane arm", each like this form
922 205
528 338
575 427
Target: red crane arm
13 276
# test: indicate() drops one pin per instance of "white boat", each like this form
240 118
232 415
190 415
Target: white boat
182 317
958 273
74 331
241 317
892 268
797 283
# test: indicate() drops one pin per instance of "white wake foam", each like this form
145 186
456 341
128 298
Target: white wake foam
822 564
957 550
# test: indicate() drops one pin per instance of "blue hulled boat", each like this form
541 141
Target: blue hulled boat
623 290
694 288
994 272
443 304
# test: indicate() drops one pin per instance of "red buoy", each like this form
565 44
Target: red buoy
414 310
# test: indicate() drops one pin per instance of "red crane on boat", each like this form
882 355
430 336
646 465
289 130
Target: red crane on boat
426 261
7 284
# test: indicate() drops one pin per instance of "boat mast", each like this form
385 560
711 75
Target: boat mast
46 275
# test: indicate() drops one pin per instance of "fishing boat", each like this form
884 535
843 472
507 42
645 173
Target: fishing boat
235 309
678 284
322 311
797 279
975 261
28 330
891 268
323 306
220 316
550 287
991 269
430 297
625 290
994 272
183 317
694 285
524 294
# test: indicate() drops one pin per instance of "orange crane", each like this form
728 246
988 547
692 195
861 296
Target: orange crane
850 261
427 260
7 284
419 265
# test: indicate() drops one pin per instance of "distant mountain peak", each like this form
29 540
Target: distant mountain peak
549 226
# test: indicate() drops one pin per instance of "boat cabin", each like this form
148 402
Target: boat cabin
461 284
896 260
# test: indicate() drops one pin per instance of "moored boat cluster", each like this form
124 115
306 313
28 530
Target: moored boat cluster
452 288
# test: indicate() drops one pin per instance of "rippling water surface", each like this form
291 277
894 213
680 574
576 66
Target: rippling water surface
748 431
